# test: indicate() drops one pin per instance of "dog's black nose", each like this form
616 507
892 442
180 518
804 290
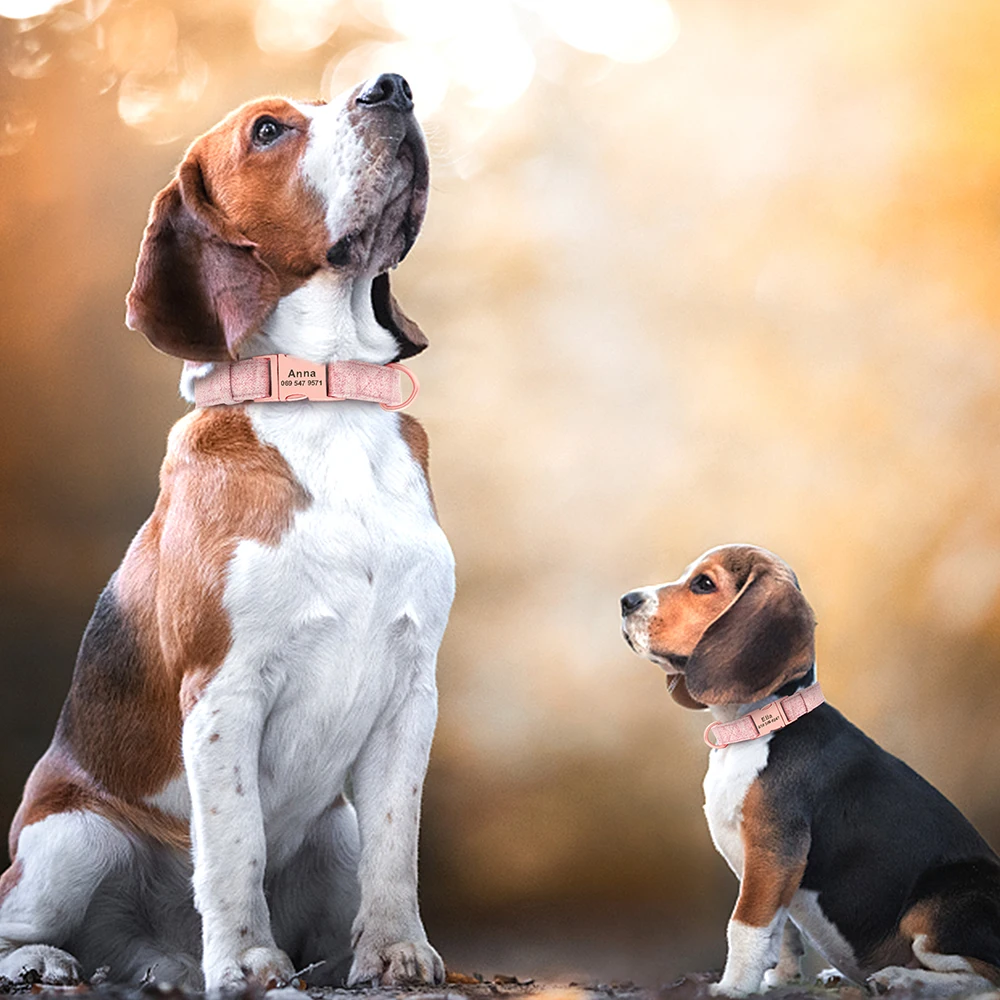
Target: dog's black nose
389 89
631 601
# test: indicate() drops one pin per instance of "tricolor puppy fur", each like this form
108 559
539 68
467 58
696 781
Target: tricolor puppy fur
827 833
273 628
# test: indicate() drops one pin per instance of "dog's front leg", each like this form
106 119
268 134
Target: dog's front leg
772 872
390 945
221 745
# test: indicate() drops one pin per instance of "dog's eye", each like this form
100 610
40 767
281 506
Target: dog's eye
266 130
702 584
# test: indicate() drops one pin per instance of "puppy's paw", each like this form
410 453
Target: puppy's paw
891 977
41 963
773 978
264 966
396 963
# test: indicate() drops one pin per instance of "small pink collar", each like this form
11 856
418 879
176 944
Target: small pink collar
280 378
774 715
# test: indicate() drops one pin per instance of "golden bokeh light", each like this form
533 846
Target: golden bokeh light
481 55
692 273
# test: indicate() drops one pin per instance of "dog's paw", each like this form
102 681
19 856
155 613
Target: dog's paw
264 966
927 982
399 962
773 978
724 990
41 963
891 977
831 978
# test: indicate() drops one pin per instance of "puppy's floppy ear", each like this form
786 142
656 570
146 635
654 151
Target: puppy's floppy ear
200 286
408 335
760 642
677 686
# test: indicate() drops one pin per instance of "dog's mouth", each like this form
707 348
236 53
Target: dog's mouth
388 235
672 663
397 227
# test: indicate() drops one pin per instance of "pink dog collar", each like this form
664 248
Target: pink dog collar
774 715
280 378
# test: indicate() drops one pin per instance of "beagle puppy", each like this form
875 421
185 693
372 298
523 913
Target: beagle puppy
233 789
827 833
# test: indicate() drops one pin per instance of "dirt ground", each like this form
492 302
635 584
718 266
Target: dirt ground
460 987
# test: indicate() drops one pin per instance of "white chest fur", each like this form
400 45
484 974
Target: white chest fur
337 622
731 772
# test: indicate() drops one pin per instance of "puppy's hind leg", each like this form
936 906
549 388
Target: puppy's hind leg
44 896
789 967
954 929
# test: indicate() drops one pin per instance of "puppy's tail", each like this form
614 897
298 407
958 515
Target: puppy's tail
953 918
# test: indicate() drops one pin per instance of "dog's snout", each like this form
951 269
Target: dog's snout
632 600
388 90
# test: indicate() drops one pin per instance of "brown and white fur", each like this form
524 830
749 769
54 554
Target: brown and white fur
270 638
828 834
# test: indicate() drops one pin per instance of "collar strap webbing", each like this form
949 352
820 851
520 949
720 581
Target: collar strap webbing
280 378
774 715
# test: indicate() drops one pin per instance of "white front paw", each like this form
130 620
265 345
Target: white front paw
723 989
264 966
772 979
396 962
41 963
781 976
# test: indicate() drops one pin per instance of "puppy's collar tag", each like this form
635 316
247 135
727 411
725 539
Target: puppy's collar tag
774 715
281 378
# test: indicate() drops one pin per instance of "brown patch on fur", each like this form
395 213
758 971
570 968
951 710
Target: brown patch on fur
745 638
9 880
58 785
918 919
261 192
236 229
774 860
682 616
415 437
192 686
160 631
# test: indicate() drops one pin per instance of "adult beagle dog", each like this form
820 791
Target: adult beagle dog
269 640
828 833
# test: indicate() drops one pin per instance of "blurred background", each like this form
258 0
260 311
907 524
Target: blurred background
694 272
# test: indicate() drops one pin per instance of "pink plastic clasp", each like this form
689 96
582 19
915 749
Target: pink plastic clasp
413 392
295 378
769 718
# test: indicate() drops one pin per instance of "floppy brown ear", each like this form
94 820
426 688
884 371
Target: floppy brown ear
408 335
760 642
200 286
677 686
